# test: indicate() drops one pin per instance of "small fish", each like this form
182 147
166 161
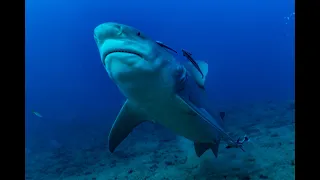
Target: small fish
27 151
239 143
37 114
165 46
188 56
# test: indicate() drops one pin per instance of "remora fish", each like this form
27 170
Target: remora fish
37 114
165 46
189 57
157 89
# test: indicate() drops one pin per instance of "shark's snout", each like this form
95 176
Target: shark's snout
127 54
106 31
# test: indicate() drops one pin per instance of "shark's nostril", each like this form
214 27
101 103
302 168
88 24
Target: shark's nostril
117 26
119 29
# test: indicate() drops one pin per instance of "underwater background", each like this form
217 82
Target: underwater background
71 103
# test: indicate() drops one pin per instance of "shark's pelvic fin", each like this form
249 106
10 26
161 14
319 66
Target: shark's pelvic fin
196 74
202 113
128 118
200 148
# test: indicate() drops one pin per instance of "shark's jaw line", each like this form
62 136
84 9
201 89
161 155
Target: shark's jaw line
106 53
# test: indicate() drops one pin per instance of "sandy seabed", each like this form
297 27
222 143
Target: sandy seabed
153 153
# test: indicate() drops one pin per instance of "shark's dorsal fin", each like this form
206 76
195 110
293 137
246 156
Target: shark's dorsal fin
128 118
196 74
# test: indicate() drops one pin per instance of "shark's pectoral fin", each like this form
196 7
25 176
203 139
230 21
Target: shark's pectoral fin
128 118
200 148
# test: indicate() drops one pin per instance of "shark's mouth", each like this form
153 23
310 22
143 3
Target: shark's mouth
121 51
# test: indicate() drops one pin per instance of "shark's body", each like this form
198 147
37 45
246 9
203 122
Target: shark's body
157 88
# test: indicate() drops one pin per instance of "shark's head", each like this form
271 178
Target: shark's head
128 54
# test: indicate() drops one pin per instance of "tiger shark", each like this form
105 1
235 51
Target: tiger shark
157 88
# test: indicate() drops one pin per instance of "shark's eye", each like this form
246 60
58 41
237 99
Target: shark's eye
138 33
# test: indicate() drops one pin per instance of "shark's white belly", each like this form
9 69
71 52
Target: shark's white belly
163 107
155 94
174 115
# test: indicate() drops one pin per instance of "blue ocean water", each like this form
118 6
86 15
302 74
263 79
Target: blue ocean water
249 46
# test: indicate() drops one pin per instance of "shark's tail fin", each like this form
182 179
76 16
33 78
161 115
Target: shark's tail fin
200 148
